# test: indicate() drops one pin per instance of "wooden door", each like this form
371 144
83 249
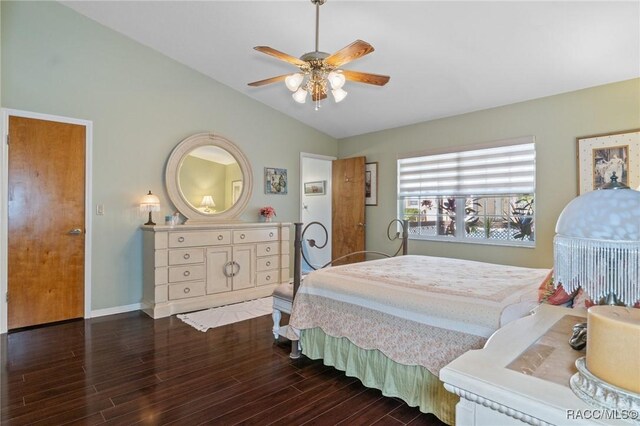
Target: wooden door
46 230
348 233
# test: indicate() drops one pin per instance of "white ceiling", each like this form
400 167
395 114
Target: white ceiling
444 58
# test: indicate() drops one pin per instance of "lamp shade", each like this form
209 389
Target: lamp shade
597 245
300 96
336 80
207 201
293 81
150 203
339 95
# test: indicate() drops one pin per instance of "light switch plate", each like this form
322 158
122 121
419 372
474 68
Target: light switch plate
100 209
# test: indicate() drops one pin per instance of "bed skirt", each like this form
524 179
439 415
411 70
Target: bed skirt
414 384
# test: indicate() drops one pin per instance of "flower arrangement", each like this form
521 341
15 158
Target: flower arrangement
268 212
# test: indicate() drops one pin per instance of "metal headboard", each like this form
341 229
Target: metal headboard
299 253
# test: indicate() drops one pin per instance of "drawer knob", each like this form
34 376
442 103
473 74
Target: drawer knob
270 234
220 237
268 278
186 256
186 290
242 236
186 273
181 239
268 249
268 263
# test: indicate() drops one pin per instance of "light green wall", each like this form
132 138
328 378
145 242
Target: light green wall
199 177
555 122
56 61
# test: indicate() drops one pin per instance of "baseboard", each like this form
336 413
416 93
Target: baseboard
116 310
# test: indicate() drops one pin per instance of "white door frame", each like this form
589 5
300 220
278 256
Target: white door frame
4 203
309 155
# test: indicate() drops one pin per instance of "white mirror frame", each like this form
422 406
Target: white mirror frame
176 159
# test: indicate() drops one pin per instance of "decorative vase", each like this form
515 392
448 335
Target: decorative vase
267 219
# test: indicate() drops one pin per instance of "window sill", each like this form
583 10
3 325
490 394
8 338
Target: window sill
501 243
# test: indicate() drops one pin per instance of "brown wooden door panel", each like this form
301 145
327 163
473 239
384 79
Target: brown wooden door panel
46 201
348 220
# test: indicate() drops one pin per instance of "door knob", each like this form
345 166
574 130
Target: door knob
362 224
75 231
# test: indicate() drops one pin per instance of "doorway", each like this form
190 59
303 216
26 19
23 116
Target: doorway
46 220
315 205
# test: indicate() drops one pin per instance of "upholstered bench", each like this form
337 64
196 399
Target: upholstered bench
282 302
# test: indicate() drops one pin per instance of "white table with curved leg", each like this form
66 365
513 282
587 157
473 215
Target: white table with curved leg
522 375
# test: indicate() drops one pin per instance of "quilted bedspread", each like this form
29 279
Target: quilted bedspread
417 310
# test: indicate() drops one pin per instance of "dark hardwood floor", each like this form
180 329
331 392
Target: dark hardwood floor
128 368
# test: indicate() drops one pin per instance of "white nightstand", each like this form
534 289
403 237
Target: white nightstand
522 375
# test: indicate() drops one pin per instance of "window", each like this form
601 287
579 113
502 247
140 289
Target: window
482 195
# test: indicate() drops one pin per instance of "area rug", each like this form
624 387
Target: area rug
223 315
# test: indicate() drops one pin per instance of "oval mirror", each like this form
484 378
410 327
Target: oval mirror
208 178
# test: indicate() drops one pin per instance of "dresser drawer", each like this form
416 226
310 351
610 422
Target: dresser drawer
255 235
268 249
186 273
186 256
184 290
199 238
268 277
267 263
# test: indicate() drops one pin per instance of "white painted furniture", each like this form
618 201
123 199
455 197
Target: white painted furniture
191 267
493 392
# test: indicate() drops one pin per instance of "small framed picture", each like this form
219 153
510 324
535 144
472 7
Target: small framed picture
275 181
314 188
371 184
602 156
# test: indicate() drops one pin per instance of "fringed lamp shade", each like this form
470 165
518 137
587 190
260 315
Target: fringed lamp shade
597 245
150 203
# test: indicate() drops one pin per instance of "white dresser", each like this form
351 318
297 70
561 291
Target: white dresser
191 267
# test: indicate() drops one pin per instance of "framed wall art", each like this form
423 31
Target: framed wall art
600 156
275 181
315 188
371 184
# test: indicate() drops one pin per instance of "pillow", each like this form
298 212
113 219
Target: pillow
581 300
549 293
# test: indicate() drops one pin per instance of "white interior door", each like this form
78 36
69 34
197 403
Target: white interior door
315 205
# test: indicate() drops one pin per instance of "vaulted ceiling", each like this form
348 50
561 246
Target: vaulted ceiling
444 58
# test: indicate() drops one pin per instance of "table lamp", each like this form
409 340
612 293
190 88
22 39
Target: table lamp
150 203
597 248
597 244
207 201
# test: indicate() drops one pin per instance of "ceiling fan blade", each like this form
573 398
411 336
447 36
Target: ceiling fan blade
318 96
355 50
269 80
280 55
365 77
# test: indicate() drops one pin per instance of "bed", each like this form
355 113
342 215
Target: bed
394 323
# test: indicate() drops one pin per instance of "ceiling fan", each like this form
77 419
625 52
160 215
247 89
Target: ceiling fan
318 70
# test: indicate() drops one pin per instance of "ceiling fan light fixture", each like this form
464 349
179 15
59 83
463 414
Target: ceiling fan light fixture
294 81
321 71
336 79
300 96
339 94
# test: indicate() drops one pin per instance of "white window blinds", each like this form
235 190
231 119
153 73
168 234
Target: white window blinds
503 170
